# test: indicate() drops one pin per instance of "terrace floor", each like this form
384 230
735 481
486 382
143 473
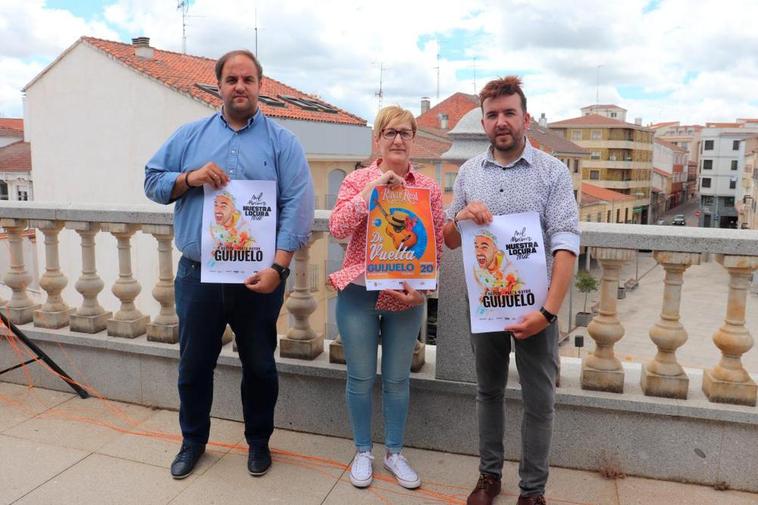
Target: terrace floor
56 448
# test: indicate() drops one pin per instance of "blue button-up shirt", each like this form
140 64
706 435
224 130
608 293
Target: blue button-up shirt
261 150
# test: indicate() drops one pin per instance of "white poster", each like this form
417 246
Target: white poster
506 270
239 230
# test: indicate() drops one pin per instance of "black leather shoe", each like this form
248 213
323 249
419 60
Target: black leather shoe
258 460
185 461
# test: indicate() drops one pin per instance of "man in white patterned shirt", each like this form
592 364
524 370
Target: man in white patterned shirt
512 177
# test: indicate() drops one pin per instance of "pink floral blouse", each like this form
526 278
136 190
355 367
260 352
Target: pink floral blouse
349 219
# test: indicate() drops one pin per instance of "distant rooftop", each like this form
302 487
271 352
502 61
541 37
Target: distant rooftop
603 193
16 157
455 107
194 76
595 120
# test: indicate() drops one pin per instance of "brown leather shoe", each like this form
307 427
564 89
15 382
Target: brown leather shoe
531 500
485 491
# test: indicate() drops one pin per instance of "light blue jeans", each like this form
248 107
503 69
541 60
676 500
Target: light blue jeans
360 324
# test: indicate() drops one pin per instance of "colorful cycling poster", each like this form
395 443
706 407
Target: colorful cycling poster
400 245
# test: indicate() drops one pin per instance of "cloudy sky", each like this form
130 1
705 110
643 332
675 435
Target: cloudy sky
662 60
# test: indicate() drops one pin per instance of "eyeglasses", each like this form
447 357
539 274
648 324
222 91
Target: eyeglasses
391 133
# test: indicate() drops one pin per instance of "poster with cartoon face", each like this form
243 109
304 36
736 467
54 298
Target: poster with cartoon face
401 244
506 269
238 230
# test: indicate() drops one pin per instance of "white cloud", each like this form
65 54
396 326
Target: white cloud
702 57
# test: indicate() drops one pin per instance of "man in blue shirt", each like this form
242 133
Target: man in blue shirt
237 143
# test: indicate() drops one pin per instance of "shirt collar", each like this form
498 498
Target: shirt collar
250 122
527 155
410 176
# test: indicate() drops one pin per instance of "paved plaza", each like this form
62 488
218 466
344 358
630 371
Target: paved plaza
58 449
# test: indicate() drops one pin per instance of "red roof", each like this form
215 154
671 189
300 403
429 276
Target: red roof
455 106
669 145
661 172
665 123
603 193
593 120
183 73
12 123
723 125
16 157
603 106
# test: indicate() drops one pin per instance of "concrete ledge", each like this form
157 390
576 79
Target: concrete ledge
690 440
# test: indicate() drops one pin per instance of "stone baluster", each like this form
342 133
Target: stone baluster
728 381
20 308
54 313
301 341
601 370
419 352
165 326
663 375
128 322
336 351
90 317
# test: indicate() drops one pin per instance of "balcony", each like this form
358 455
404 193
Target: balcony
659 418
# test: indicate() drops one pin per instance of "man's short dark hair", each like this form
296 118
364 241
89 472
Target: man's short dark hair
237 52
509 85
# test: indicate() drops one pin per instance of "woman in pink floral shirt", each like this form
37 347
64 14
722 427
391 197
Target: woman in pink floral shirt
363 315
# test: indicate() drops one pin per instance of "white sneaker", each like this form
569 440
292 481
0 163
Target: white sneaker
398 466
361 471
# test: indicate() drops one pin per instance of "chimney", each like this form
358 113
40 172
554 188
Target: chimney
443 121
142 48
543 120
638 121
425 104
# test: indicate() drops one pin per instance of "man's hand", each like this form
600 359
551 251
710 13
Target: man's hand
210 173
530 324
407 295
264 281
476 212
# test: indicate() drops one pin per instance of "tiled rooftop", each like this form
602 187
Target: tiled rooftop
16 157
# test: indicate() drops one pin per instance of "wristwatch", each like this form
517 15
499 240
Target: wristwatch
548 315
283 271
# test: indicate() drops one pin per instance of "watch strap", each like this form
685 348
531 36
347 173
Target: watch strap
549 316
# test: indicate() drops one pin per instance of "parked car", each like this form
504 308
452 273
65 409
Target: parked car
679 220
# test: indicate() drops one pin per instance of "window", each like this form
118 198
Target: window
595 175
613 114
3 190
735 145
576 166
449 181
626 215
708 145
599 216
707 164
732 183
706 182
576 134
618 215
595 155
729 201
23 195
708 200
734 164
596 135
608 218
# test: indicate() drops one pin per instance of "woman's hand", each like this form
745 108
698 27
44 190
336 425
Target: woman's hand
388 178
407 295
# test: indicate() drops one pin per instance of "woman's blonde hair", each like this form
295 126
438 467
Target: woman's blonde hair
390 113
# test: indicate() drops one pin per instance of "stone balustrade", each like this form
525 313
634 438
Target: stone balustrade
676 249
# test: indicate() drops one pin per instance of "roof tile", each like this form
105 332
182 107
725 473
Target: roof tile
182 72
16 157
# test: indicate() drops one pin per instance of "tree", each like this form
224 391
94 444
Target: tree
585 283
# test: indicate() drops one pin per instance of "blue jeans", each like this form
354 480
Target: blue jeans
360 324
204 311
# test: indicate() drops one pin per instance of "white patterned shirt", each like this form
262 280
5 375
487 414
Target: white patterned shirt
535 182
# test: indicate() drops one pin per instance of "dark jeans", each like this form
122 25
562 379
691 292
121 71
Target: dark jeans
204 310
537 362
